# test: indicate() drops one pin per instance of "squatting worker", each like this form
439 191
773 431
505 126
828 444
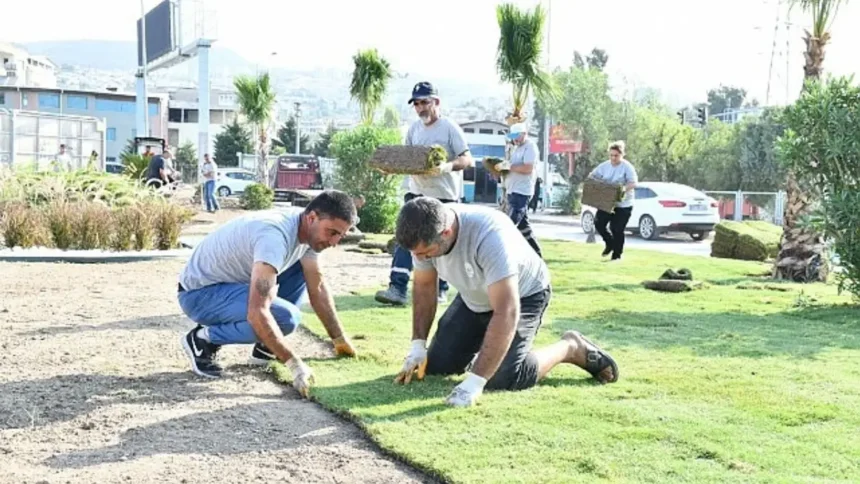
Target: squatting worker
520 181
244 282
617 171
430 129
504 289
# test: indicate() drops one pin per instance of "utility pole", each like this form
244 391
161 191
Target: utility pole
547 179
298 132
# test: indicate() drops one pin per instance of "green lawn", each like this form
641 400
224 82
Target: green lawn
736 382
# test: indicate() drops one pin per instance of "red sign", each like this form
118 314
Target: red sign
561 140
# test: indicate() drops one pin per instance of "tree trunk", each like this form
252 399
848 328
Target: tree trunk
262 163
801 256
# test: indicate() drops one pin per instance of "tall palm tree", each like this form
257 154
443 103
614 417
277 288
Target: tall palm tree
801 256
256 102
369 82
518 56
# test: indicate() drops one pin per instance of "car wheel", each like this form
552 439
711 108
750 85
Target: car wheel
223 192
587 222
648 228
700 235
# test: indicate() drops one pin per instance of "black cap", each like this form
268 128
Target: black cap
423 90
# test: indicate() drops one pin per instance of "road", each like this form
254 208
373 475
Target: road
672 243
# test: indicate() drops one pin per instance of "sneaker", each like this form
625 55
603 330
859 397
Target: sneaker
606 252
202 355
261 355
442 298
391 296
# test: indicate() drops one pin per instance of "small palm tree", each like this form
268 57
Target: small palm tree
518 57
801 255
369 82
256 102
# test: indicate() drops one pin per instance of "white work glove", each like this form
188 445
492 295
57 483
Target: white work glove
466 394
447 167
303 376
415 360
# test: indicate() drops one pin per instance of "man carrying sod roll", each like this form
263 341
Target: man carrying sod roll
445 184
503 291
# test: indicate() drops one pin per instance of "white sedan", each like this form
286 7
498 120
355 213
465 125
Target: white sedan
231 181
661 208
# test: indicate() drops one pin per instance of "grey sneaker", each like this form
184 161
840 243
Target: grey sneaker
391 296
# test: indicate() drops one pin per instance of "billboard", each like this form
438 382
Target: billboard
160 33
564 140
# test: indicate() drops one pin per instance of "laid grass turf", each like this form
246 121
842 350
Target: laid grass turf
744 381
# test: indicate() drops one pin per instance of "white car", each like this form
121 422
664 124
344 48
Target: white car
231 181
666 207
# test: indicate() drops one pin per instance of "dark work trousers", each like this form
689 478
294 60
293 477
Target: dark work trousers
518 211
401 265
614 237
461 333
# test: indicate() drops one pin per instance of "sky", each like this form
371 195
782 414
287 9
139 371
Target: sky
682 47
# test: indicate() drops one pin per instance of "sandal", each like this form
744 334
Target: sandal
597 361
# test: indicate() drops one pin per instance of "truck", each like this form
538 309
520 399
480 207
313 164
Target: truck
297 178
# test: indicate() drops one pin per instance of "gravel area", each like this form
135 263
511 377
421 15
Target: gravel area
95 388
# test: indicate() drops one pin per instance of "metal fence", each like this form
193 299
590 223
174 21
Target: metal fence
34 138
741 205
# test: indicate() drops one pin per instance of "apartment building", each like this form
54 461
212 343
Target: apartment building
19 68
184 112
116 108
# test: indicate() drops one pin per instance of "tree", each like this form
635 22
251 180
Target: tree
760 169
391 119
322 146
596 60
713 159
287 138
235 138
725 98
518 56
186 161
370 78
801 248
820 147
353 149
660 145
256 101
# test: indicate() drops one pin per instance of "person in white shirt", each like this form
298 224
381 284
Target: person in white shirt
520 181
209 170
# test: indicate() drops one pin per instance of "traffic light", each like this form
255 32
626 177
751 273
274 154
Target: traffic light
702 115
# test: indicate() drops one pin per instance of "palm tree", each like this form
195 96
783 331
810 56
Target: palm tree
801 256
369 82
518 56
256 102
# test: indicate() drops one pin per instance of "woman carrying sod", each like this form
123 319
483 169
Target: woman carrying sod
616 171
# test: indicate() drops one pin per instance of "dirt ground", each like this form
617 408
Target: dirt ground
94 387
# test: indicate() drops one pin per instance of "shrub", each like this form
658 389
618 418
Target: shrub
353 149
125 220
258 197
750 240
21 226
94 226
169 219
61 218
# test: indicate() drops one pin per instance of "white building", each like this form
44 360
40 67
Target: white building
183 112
19 69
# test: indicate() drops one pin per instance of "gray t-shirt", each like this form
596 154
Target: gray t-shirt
488 249
622 174
528 154
228 254
449 135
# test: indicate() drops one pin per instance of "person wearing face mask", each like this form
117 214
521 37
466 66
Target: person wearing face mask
617 171
503 291
445 184
520 181
244 282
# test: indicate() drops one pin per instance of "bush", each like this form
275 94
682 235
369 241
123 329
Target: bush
169 219
750 240
21 226
353 149
258 197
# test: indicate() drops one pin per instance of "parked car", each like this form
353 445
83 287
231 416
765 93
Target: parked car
661 208
231 181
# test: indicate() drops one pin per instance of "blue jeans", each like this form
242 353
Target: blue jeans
209 195
401 265
518 211
224 307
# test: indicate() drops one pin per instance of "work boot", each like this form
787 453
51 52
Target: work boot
392 296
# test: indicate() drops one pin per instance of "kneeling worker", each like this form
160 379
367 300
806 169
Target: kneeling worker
244 282
504 289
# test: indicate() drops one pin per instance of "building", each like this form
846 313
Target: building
19 68
183 116
116 108
33 139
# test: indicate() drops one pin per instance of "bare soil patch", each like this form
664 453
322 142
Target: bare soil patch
94 387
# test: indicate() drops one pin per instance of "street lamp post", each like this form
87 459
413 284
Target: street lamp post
298 132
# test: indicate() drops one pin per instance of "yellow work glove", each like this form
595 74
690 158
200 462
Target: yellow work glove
416 361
